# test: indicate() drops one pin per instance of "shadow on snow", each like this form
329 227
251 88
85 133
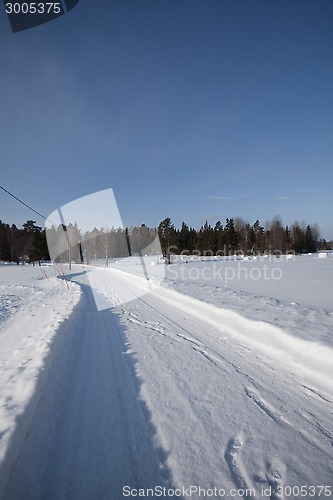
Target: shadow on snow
85 433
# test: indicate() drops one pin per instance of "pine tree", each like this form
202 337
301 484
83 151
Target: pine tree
310 244
4 242
298 238
167 235
38 250
231 236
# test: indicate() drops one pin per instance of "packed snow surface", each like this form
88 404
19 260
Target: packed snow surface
212 374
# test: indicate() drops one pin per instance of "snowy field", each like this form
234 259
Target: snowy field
213 374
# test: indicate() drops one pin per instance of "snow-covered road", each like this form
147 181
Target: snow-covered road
234 401
165 390
89 434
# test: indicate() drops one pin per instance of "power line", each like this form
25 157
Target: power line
22 202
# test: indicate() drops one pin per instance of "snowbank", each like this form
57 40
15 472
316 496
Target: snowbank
34 303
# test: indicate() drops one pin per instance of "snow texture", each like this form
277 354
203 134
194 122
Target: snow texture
192 382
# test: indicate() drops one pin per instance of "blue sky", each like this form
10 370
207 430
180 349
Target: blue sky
189 109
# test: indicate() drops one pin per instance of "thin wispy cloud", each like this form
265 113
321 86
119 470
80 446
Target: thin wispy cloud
223 198
301 191
228 198
306 191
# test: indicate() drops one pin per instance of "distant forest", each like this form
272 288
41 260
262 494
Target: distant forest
236 235
29 244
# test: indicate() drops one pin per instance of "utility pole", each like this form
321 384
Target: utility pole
69 245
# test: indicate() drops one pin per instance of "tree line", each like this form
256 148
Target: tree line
25 244
236 235
33 244
69 243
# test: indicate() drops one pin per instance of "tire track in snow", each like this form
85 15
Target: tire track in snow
280 419
217 359
317 393
173 310
267 408
160 328
325 432
313 421
283 349
213 359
